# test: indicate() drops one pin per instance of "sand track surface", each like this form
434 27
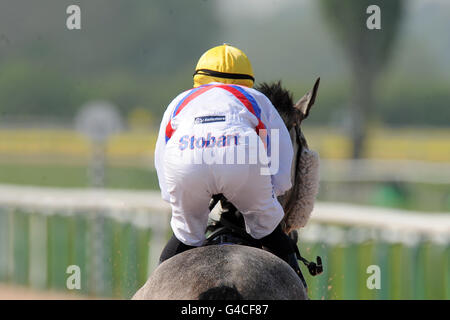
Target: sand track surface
13 292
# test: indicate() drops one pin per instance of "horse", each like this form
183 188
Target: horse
233 272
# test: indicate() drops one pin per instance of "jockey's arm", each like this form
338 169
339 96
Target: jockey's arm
159 155
161 145
281 180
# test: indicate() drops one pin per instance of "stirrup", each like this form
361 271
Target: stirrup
314 268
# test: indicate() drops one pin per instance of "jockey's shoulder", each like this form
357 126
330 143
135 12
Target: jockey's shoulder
252 91
260 97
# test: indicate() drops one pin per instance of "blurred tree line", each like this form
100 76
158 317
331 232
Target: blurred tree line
368 51
142 55
138 55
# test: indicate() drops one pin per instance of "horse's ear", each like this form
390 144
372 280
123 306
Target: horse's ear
307 101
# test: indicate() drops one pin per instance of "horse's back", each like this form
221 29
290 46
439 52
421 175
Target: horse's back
252 272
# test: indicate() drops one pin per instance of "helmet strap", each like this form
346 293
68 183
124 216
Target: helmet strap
225 75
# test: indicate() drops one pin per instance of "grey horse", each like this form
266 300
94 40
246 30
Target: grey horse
242 272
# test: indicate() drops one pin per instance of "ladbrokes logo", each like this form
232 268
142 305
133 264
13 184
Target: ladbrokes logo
209 119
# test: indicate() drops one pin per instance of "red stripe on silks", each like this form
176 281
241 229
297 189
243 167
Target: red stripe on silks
262 134
192 97
169 129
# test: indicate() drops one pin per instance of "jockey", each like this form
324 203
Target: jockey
220 116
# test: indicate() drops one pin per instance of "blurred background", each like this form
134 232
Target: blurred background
80 111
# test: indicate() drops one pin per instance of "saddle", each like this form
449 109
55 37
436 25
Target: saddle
227 226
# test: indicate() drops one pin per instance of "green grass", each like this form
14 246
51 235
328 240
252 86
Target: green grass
406 195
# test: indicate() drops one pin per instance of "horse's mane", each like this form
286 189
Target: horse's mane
281 98
298 202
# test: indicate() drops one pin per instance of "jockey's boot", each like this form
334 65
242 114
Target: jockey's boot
173 247
280 244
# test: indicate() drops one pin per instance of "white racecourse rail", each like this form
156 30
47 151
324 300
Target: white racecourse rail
135 206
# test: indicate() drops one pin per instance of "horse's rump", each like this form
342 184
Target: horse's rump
253 273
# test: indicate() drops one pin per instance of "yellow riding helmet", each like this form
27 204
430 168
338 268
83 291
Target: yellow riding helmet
225 64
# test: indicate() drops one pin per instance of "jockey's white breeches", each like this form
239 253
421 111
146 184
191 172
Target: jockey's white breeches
200 164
